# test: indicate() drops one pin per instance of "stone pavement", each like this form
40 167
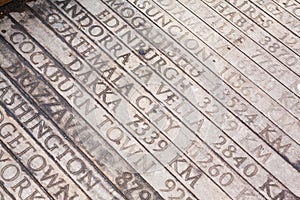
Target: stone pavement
149 100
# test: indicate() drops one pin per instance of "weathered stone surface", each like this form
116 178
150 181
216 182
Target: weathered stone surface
139 99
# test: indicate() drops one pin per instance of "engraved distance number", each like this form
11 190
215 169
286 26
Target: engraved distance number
229 151
214 170
130 185
170 186
274 47
142 128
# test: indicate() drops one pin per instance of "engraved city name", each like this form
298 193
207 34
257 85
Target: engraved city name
140 99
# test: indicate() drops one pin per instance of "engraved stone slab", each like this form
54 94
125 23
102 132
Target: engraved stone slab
141 99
